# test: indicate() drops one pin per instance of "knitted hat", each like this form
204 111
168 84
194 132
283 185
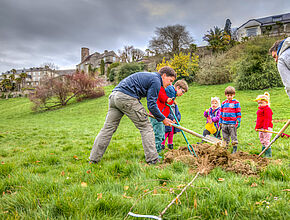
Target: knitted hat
217 99
170 91
265 97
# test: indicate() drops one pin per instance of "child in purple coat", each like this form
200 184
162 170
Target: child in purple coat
213 115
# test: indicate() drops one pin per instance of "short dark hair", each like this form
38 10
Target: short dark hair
275 46
182 84
230 90
168 71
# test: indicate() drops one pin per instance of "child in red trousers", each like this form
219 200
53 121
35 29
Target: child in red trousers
264 121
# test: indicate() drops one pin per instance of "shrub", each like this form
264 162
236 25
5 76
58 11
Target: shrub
185 65
113 65
256 69
57 92
127 69
113 74
214 69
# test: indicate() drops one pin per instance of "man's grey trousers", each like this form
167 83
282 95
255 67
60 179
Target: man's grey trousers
120 104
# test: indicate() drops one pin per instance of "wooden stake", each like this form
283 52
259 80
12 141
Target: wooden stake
177 197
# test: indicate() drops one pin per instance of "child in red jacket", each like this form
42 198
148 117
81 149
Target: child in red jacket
158 127
264 121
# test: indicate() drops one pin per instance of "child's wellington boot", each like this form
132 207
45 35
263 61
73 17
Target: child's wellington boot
268 152
235 148
263 147
170 146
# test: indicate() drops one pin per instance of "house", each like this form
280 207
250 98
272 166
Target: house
272 26
33 75
93 61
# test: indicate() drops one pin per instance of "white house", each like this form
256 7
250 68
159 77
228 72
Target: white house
272 26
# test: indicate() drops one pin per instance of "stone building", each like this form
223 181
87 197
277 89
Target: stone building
272 26
92 61
34 75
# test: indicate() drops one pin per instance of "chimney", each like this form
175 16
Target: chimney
85 52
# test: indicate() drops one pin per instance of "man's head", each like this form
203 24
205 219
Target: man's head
181 87
168 75
273 50
230 93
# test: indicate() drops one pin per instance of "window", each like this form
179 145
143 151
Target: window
275 19
252 32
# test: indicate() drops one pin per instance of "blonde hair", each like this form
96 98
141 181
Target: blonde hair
265 97
217 99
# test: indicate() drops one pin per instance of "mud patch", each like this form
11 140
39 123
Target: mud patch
211 156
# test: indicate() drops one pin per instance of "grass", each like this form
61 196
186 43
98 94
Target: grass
44 168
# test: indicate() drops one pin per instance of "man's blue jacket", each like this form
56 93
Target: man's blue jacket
143 84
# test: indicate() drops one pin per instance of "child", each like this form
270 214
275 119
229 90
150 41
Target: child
230 117
179 88
158 127
264 121
213 116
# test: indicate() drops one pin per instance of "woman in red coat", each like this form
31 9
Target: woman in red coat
264 121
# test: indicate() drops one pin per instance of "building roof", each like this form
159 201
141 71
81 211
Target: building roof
100 56
65 72
24 70
270 19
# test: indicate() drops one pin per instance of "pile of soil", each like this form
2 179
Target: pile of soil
211 156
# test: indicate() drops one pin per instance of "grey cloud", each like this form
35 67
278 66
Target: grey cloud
34 31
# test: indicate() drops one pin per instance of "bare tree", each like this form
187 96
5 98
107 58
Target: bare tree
170 39
58 91
130 54
126 54
49 65
137 55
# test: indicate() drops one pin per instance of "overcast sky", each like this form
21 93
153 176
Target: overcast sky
33 32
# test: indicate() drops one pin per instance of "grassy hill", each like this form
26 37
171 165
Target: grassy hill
45 174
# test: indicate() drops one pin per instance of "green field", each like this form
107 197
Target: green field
45 174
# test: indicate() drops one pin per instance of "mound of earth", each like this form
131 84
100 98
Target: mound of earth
211 156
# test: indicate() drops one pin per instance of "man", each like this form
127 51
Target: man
125 99
280 51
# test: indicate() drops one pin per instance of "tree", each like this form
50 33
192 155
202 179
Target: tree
126 54
217 39
137 55
110 76
130 54
58 91
18 83
102 67
48 65
227 28
23 77
170 40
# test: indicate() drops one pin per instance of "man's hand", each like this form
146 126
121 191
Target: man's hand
167 122
169 100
